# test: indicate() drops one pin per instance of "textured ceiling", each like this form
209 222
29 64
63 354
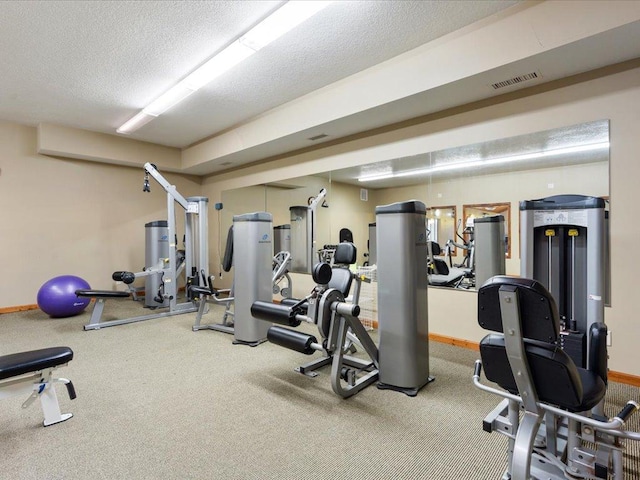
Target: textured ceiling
94 64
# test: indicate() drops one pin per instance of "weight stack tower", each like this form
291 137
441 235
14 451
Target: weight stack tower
562 243
281 238
403 322
489 244
373 250
301 234
156 242
252 259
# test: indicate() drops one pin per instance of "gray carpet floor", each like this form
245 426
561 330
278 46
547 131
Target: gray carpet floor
158 401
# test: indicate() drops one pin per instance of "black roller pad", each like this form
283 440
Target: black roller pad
273 312
321 273
292 339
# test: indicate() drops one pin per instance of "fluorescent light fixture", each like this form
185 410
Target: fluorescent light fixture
168 99
225 60
286 18
135 123
274 26
445 167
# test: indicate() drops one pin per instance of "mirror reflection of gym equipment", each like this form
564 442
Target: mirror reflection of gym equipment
490 209
441 224
302 232
484 250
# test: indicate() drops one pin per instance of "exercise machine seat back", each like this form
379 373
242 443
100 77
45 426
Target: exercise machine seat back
439 273
554 375
345 235
439 266
341 277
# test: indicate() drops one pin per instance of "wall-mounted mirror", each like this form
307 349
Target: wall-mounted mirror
567 160
470 212
441 225
278 198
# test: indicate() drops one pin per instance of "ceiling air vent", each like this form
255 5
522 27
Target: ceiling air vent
225 164
516 80
318 137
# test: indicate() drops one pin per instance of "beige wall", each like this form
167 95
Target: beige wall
613 97
70 217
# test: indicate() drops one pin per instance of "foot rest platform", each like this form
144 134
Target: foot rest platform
102 294
17 364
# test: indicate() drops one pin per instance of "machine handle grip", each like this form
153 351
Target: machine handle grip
348 309
71 390
630 408
477 369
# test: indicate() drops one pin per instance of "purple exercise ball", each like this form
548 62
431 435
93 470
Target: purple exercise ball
57 297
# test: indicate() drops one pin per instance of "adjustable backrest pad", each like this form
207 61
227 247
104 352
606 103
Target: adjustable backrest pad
345 235
538 311
435 248
554 377
341 280
345 254
341 277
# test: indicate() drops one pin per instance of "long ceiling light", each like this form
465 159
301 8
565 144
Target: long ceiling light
274 26
444 167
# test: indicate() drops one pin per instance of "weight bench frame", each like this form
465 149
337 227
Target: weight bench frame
101 296
39 384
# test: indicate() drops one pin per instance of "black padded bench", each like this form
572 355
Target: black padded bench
100 297
31 373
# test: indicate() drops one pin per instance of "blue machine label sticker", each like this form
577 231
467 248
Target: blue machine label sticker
265 239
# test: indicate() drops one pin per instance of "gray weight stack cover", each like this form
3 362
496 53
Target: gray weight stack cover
373 257
282 238
402 295
489 244
156 242
301 235
252 258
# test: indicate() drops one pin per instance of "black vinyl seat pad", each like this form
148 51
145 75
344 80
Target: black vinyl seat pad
555 377
16 364
101 293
